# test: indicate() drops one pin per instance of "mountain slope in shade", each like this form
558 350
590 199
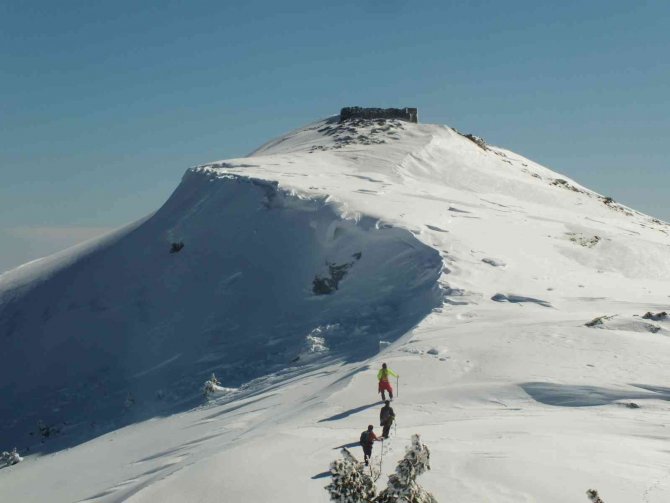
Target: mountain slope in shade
131 328
479 266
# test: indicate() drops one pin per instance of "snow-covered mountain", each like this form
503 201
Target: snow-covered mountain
293 273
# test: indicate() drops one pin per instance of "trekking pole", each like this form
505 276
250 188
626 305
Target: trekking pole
381 457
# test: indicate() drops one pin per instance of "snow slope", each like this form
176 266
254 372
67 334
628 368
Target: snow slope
481 265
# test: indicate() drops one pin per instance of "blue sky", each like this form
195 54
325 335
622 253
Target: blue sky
106 104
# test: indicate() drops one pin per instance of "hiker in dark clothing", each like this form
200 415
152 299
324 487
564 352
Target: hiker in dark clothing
386 418
368 437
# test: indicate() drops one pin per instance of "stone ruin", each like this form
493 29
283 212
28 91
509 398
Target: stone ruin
405 114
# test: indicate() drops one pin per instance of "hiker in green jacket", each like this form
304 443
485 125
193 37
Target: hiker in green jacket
384 383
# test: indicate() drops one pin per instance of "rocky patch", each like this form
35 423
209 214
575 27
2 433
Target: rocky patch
359 132
582 240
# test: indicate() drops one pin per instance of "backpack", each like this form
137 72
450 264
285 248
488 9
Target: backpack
365 439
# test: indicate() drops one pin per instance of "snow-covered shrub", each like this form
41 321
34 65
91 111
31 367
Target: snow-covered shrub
402 486
10 458
593 496
350 482
213 385
313 346
559 182
477 140
315 342
655 316
582 240
598 321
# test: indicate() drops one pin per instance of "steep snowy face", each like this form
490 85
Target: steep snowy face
232 275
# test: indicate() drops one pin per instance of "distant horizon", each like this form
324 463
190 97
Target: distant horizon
110 104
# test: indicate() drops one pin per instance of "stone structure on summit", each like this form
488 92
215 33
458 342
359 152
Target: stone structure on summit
405 114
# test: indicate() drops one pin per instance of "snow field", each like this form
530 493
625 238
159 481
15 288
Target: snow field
517 399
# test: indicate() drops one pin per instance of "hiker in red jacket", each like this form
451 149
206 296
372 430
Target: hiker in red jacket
368 437
384 383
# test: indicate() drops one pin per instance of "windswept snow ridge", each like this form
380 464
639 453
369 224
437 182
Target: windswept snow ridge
131 319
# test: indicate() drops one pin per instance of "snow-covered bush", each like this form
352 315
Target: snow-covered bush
213 385
402 486
600 320
477 139
593 496
315 342
655 316
9 458
350 483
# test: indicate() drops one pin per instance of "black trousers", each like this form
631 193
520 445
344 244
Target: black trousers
367 453
387 428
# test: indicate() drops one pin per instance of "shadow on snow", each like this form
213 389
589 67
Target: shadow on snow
566 395
349 412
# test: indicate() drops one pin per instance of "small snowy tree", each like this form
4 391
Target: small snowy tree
213 385
9 458
350 483
402 486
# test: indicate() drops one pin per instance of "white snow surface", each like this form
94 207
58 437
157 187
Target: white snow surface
476 264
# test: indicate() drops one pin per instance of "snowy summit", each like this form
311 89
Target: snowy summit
235 335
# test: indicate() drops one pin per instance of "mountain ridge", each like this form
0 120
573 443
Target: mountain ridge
478 271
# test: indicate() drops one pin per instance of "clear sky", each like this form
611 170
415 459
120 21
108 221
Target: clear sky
106 104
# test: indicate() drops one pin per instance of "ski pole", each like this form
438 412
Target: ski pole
395 427
397 386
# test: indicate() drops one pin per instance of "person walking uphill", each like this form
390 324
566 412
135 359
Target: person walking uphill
384 383
386 418
368 437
